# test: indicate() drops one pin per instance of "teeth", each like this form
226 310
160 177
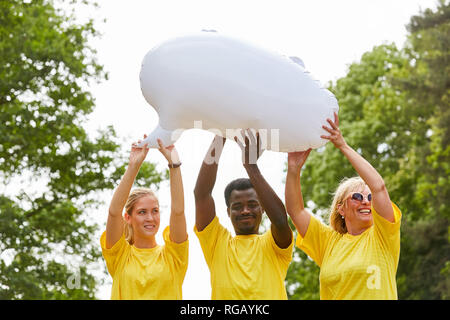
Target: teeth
364 211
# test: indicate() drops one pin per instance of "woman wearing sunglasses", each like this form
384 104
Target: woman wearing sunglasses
358 252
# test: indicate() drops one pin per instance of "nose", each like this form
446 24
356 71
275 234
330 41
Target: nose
245 210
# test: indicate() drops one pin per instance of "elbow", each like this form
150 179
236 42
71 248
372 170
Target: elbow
114 213
280 220
289 212
200 194
196 192
378 187
177 212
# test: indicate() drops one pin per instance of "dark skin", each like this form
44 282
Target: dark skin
205 209
246 206
245 211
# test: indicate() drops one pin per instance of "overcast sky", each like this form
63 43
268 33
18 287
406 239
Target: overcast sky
327 35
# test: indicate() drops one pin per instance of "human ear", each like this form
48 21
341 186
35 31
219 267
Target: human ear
127 217
341 210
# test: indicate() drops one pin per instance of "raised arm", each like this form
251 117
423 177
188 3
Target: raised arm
178 232
114 224
205 209
295 206
270 201
381 201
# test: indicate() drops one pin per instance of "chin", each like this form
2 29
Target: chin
150 233
246 230
367 222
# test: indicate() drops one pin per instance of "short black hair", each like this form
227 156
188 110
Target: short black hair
237 184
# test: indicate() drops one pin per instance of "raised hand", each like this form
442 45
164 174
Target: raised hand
335 136
138 154
169 152
298 158
252 149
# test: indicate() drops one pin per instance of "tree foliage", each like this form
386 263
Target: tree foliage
46 236
394 110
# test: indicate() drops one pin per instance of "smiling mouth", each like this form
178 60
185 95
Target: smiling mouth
365 212
149 226
246 217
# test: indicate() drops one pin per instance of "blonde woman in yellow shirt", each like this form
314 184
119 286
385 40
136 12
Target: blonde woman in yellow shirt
139 266
358 253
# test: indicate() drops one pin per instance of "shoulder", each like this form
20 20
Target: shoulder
168 241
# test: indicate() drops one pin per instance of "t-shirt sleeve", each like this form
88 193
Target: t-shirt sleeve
178 253
316 240
388 232
209 237
114 254
284 255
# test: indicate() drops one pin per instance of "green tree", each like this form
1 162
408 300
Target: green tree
46 66
424 175
302 279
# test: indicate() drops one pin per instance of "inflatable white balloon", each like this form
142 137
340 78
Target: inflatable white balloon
222 84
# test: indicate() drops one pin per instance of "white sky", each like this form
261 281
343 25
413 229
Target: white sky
327 35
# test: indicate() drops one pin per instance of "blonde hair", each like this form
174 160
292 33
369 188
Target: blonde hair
346 186
134 196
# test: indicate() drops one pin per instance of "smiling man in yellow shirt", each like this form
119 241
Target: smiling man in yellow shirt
249 265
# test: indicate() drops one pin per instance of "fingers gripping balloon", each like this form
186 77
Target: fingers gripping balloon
227 84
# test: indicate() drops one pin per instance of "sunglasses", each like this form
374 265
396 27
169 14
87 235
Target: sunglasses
359 197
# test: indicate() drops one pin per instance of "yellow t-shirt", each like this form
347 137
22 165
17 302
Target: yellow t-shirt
151 274
361 267
244 267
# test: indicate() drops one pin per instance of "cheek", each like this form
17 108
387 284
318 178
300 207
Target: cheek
348 208
233 217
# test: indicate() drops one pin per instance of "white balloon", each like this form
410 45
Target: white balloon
211 81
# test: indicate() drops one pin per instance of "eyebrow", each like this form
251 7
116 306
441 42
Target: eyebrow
139 209
249 201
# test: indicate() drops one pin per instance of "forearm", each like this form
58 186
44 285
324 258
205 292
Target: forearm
293 193
176 191
364 169
295 206
206 180
178 232
205 209
270 201
122 192
208 171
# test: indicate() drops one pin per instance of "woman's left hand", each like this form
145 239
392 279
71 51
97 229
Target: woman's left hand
169 152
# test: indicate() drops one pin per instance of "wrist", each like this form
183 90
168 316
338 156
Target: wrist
250 166
174 165
294 168
343 147
134 164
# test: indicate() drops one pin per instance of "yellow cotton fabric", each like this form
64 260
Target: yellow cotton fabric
250 267
151 274
361 267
